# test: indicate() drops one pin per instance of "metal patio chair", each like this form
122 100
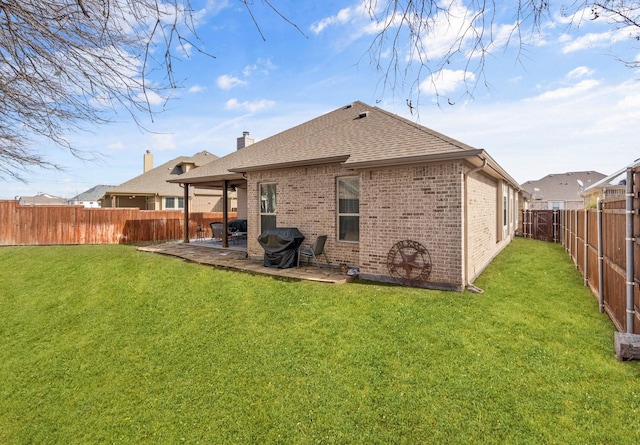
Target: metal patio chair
313 251
217 231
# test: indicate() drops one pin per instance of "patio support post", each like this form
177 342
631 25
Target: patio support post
186 213
225 210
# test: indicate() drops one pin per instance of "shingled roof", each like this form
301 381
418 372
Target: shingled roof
562 186
357 135
155 180
93 194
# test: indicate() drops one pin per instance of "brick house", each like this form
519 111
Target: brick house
559 191
151 191
392 196
613 186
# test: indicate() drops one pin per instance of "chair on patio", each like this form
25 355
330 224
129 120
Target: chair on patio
313 251
217 230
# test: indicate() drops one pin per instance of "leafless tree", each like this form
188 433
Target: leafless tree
66 62
402 50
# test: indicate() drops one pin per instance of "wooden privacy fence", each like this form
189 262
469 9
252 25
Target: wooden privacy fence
42 225
597 241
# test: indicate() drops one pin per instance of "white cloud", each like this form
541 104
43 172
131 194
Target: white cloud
631 102
580 71
227 82
163 141
152 98
342 17
116 146
197 89
594 40
532 138
252 107
568 92
185 49
263 66
249 69
446 81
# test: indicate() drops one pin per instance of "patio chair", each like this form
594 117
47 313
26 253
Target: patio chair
217 231
313 251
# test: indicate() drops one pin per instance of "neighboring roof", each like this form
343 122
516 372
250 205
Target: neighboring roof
561 186
42 199
93 194
154 182
617 179
356 135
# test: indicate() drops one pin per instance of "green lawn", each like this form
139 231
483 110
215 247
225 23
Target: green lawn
104 344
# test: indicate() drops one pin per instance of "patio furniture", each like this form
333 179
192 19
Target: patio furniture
200 234
313 251
237 230
217 231
280 246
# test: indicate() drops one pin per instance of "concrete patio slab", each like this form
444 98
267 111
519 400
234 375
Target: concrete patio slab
235 258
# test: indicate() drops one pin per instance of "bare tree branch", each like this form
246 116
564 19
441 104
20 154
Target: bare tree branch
66 63
404 49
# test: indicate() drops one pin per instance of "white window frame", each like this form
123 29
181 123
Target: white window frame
178 202
267 210
340 215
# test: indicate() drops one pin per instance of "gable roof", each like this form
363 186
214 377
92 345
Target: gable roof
154 182
617 179
357 135
561 186
43 199
93 194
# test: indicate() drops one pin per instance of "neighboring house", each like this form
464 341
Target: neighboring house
612 186
91 197
43 199
560 191
151 191
396 199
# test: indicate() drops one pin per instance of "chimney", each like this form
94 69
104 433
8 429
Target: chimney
245 140
147 161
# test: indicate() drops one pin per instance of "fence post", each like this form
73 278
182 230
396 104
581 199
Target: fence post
600 259
585 242
629 244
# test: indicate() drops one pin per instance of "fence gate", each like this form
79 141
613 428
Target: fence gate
542 225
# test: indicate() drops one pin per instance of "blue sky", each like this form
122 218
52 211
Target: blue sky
564 103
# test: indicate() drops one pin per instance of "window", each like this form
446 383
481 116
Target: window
267 206
349 209
171 202
504 211
556 205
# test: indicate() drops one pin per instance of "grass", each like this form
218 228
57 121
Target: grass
104 344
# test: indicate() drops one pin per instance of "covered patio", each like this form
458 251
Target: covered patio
234 257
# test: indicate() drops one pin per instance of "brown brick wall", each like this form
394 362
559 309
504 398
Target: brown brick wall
482 229
306 199
418 203
422 203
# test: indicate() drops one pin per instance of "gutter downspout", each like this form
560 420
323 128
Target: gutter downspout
466 219
629 244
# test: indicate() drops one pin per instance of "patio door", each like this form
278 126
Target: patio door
267 206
